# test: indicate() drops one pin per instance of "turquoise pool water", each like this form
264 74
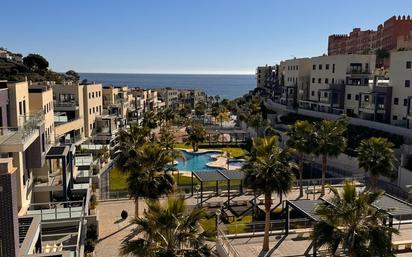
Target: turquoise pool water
196 161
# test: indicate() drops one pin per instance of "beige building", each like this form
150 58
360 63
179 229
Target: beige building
93 105
69 113
148 98
400 75
117 100
263 74
41 99
294 76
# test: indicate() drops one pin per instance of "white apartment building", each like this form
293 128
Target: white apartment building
400 79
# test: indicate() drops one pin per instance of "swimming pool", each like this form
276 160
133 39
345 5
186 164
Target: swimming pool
196 161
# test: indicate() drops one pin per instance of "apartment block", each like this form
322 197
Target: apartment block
69 113
93 104
169 96
393 34
43 205
294 75
117 101
400 79
264 75
148 98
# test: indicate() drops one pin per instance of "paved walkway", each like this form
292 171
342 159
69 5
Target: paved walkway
112 229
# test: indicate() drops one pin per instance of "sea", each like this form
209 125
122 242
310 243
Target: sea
226 86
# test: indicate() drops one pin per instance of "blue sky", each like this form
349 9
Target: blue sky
182 36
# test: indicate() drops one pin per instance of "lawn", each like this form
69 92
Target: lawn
117 180
235 227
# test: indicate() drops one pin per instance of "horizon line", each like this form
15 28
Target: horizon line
158 73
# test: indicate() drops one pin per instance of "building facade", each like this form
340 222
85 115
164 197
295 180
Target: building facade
393 34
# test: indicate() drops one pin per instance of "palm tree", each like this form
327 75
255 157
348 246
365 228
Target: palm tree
301 139
195 134
167 139
170 230
349 220
223 116
268 170
150 120
375 155
149 177
330 142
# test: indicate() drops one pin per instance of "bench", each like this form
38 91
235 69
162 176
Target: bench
406 243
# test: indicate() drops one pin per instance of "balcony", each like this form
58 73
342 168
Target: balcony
358 71
368 107
66 106
18 139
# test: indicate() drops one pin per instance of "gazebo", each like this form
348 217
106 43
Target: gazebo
217 176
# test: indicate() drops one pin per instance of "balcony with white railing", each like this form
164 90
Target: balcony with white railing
65 105
17 139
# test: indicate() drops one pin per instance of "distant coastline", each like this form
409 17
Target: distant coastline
226 86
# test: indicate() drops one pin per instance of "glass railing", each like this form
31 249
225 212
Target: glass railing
65 104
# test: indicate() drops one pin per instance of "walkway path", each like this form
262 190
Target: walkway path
112 229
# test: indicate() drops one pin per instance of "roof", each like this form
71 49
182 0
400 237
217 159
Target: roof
57 151
393 206
307 207
218 175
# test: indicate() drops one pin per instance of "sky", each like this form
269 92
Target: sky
182 36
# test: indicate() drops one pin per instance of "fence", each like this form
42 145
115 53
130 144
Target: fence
223 245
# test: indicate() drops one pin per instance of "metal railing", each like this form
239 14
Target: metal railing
224 244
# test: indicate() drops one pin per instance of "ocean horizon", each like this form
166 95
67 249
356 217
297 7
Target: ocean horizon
228 86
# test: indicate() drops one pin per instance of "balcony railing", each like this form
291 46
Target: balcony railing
65 104
371 106
358 71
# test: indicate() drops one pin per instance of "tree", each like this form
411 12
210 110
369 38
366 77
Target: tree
149 177
168 230
217 98
215 112
169 115
223 116
267 170
150 120
350 221
72 75
200 108
195 134
167 139
256 121
375 156
330 141
302 140
184 111
36 62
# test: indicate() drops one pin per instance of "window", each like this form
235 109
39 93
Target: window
394 117
319 80
395 101
407 83
90 111
313 93
314 67
20 109
333 80
24 107
320 66
333 68
349 96
326 81
325 94
357 97
327 66
405 102
408 64
90 95
313 80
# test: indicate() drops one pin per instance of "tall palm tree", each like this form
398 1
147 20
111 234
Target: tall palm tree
196 134
267 170
375 155
149 178
169 230
150 120
330 142
349 220
301 139
223 116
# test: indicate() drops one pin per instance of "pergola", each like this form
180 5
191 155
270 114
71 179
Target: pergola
65 155
394 208
237 134
217 176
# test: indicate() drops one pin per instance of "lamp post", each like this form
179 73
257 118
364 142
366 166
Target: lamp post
218 213
197 188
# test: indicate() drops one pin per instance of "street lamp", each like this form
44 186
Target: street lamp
197 188
218 213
